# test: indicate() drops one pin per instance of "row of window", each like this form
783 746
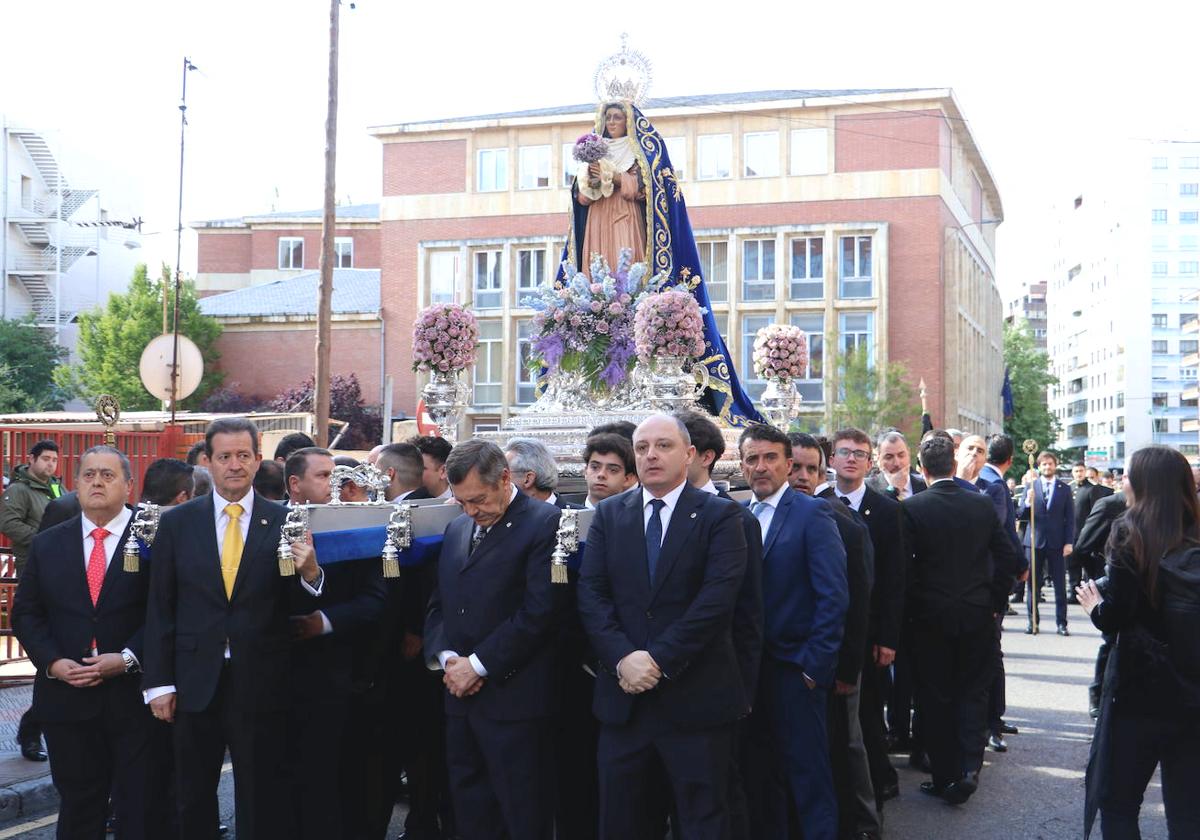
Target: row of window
1186 267
1186 217
855 330
1184 163
291 252
1161 242
1186 190
807 154
1159 347
804 271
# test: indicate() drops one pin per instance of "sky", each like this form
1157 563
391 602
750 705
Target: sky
1044 85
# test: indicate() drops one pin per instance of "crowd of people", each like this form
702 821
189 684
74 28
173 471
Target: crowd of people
712 669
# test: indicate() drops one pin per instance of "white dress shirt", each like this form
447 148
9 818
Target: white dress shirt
587 504
476 664
711 488
115 528
766 514
1047 490
664 515
855 496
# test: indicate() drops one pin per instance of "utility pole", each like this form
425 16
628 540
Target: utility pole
325 293
187 66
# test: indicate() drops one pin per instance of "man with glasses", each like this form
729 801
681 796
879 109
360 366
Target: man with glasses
851 460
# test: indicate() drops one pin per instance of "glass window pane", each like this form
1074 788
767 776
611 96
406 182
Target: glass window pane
677 152
768 259
751 324
750 260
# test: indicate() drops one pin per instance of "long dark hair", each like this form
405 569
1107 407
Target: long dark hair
1164 515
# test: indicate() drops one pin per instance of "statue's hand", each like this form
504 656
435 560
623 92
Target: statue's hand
594 171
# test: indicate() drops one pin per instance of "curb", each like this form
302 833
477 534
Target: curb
24 800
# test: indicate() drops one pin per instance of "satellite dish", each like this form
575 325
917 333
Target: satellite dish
155 366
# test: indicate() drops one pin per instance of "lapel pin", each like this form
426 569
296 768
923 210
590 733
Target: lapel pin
507 524
693 515
262 522
866 513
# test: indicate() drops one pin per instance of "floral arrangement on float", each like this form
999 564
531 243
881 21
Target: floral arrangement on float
669 336
445 337
780 357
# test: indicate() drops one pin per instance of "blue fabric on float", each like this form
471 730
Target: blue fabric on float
367 543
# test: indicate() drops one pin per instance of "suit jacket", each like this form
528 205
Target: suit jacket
1055 526
683 617
1093 537
1086 495
1006 510
54 618
748 614
500 605
60 510
860 579
190 619
882 516
961 563
563 504
805 593
879 484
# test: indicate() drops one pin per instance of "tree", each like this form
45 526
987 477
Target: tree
111 341
873 397
1029 376
345 403
29 356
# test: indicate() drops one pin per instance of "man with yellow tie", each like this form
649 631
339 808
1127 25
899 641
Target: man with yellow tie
217 640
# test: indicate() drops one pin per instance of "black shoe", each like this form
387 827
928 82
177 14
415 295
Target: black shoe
1008 729
919 761
1010 611
933 789
1028 629
1063 631
32 750
956 793
889 791
110 825
222 829
996 742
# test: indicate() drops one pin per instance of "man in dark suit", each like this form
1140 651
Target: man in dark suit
325 643
1085 494
659 585
961 568
1049 538
218 640
492 627
534 470
805 602
81 619
895 477
850 460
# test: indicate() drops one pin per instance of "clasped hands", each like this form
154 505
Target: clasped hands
460 678
93 671
638 672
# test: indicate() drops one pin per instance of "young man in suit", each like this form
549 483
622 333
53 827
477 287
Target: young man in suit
81 618
609 467
805 603
434 452
961 568
851 460
1049 539
659 585
492 627
218 637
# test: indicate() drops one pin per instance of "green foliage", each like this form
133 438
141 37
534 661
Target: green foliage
29 356
1030 376
873 397
111 341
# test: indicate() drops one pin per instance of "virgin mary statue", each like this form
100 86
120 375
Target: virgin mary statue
630 199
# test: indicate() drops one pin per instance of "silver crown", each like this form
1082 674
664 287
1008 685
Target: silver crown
624 76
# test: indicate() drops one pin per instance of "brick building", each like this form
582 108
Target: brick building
866 217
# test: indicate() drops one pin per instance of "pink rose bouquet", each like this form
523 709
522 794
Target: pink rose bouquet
445 336
669 323
780 352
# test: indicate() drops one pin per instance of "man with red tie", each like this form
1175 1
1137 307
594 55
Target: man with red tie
81 618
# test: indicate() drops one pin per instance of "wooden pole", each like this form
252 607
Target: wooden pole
325 294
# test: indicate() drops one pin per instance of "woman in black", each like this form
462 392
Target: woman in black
1150 706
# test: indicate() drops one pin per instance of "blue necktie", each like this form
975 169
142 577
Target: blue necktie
654 536
757 509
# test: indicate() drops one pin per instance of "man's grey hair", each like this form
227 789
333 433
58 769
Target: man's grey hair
105 449
679 424
202 480
532 456
474 454
891 436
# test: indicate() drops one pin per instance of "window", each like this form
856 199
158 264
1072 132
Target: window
1188 346
1187 217
1158 217
1162 425
715 152
1192 403
751 324
1158 372
1187 374
1120 399
1187 243
714 267
1159 243
443 277
569 164
531 268
489 363
291 252
487 279
526 378
1158 347
1189 163
533 167
1189 267
854 269
1189 449
485 426
1120 449
811 387
343 252
857 332
809 151
1120 423
1158 268
1159 399
1187 318
758 269
1158 163
760 154
1158 320
808 268
677 152
722 321
1158 190
492 171
1187 190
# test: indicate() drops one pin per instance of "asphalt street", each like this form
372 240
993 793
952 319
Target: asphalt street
1032 792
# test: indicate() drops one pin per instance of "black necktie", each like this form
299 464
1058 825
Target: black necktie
480 533
846 499
654 534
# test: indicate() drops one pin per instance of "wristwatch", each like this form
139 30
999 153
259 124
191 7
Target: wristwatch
131 664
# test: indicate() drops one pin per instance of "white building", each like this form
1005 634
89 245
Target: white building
1126 260
61 253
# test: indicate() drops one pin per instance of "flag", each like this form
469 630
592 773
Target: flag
1006 395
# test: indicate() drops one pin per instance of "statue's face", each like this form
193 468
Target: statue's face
614 122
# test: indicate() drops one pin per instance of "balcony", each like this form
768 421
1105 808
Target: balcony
1190 360
1188 327
1192 392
